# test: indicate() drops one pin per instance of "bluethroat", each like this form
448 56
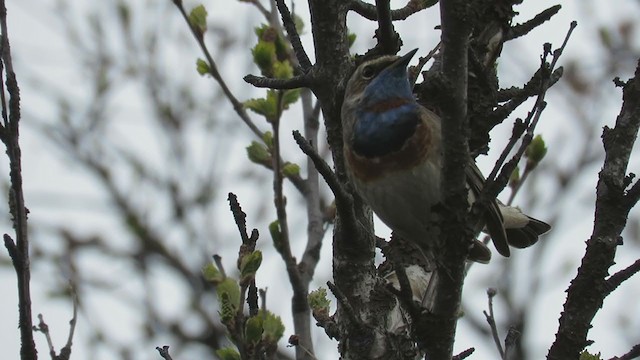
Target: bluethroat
393 154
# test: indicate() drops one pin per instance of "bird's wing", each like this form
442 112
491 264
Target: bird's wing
492 215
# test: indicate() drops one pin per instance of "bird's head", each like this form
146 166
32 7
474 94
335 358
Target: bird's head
379 80
379 112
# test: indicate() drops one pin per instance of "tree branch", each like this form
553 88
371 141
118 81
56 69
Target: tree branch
370 12
388 39
19 251
315 225
490 317
65 352
343 198
354 270
295 82
495 184
299 305
346 305
634 353
588 289
621 276
519 30
164 352
294 37
240 218
516 96
455 231
213 70
633 195
463 355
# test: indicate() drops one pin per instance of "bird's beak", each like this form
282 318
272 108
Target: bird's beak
403 61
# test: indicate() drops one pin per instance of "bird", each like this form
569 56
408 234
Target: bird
393 155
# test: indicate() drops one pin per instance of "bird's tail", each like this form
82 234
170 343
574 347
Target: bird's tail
526 234
522 230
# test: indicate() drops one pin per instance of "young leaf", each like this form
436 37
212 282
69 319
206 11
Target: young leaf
514 179
276 234
267 137
198 19
202 67
318 300
228 353
536 151
266 107
272 326
249 265
290 97
229 292
258 153
352 38
212 274
227 310
586 356
253 329
282 70
290 169
264 55
299 24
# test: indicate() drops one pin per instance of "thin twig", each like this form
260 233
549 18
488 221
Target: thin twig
218 260
515 97
523 29
492 322
463 355
20 249
239 216
279 200
12 249
369 12
519 127
618 278
558 52
634 353
633 195
342 196
300 288
344 302
495 184
295 82
534 115
414 71
65 352
305 350
44 329
315 228
405 295
294 37
164 352
213 70
261 8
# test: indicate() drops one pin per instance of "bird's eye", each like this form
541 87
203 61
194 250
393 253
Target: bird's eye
368 72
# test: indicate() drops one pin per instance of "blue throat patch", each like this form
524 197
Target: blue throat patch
379 133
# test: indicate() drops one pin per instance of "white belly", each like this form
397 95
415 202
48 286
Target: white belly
403 200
